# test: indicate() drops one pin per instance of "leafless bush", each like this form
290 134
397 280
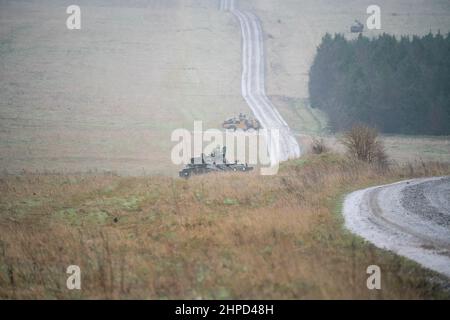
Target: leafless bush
362 143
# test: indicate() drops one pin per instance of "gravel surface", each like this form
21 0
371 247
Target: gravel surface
253 85
411 218
429 200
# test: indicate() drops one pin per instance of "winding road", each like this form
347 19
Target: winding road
410 218
253 85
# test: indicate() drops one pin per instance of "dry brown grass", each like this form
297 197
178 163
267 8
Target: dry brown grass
217 236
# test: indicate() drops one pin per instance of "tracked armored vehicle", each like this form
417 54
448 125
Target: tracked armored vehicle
358 27
242 122
215 162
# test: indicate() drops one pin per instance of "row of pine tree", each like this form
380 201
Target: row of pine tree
396 85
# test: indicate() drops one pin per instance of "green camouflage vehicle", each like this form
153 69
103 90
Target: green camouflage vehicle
242 122
216 162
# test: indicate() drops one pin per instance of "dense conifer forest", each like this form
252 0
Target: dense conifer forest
398 85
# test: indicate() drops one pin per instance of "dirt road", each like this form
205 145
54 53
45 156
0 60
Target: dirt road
253 84
410 218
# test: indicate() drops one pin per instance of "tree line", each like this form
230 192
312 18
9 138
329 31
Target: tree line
395 85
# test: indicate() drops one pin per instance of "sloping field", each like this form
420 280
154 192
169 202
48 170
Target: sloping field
108 96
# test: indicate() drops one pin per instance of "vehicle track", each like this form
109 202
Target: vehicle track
253 85
410 218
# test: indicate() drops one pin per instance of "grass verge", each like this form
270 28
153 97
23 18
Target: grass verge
216 236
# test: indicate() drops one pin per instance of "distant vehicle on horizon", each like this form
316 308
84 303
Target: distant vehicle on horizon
357 27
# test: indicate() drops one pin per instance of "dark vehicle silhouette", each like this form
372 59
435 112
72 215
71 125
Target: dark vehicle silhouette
242 122
216 162
358 27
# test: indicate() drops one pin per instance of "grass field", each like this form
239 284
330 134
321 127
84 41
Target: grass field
107 97
78 107
224 236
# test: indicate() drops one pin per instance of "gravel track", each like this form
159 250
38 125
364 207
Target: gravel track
410 218
253 85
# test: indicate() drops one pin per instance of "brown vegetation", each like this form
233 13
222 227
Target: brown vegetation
216 236
362 143
318 146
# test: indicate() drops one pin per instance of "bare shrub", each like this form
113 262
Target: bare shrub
319 146
362 143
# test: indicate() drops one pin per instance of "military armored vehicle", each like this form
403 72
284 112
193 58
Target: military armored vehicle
242 122
215 162
358 27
